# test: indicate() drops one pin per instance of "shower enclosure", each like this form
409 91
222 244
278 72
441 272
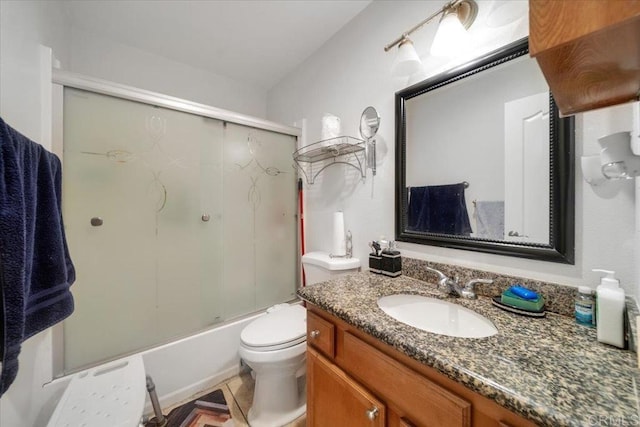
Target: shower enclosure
176 221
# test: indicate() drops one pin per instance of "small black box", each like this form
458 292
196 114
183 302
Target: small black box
375 263
391 263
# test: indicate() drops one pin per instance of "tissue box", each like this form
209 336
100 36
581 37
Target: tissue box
391 263
375 263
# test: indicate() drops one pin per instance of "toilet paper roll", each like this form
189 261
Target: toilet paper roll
339 247
330 126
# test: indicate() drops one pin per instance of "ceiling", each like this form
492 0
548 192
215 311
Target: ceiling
253 41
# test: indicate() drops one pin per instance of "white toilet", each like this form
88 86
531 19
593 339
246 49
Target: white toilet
320 267
274 346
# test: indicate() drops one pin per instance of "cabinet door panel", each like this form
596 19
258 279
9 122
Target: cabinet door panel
420 400
336 400
321 334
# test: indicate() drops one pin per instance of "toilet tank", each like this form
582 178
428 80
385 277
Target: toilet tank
319 267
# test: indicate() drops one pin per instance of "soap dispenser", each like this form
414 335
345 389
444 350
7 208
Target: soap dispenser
610 310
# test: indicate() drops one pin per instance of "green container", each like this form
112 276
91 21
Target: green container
513 300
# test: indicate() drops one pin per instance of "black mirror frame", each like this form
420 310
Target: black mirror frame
561 247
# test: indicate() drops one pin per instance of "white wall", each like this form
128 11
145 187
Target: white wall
352 71
96 56
608 227
25 104
24 25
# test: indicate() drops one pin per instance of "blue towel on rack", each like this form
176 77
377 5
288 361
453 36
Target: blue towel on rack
440 209
35 268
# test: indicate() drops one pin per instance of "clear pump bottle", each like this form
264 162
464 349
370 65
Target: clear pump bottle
584 307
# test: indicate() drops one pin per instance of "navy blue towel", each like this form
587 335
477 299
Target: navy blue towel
439 209
35 268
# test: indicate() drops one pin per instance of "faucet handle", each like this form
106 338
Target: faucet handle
472 282
469 290
440 274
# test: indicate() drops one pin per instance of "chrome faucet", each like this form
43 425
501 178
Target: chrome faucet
452 287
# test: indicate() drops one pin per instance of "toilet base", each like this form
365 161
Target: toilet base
272 420
279 419
279 396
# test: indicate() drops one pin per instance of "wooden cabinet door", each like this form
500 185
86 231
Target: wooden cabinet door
419 400
321 334
336 400
406 423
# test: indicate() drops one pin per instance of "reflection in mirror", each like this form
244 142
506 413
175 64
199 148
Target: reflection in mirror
484 162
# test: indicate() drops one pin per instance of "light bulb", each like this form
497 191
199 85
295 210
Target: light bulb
407 61
451 36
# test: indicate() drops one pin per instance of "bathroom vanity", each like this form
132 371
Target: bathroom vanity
365 368
368 381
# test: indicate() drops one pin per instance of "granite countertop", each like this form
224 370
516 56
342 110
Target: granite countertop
548 370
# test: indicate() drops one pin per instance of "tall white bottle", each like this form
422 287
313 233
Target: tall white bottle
610 310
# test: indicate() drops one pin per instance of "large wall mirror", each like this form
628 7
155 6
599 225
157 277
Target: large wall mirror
484 162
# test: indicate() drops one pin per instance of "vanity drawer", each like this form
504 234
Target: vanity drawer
418 399
321 334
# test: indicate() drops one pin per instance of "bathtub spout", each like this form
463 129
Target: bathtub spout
160 420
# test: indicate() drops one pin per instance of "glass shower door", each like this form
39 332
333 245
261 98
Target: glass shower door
143 212
260 240
175 222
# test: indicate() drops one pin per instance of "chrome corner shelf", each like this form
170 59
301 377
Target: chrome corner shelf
316 157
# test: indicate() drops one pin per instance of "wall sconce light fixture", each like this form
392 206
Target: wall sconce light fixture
407 60
616 160
457 17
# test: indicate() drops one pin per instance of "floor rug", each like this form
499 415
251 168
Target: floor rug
210 410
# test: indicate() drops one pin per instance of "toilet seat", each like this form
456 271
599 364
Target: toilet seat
280 329
251 355
275 347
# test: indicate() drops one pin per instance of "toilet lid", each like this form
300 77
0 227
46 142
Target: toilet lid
278 329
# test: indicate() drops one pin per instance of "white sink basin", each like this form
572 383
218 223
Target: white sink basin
437 316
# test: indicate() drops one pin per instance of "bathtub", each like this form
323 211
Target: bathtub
184 367
179 369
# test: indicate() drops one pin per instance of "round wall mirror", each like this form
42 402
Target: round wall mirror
369 123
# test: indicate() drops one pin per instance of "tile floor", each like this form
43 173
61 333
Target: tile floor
238 392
